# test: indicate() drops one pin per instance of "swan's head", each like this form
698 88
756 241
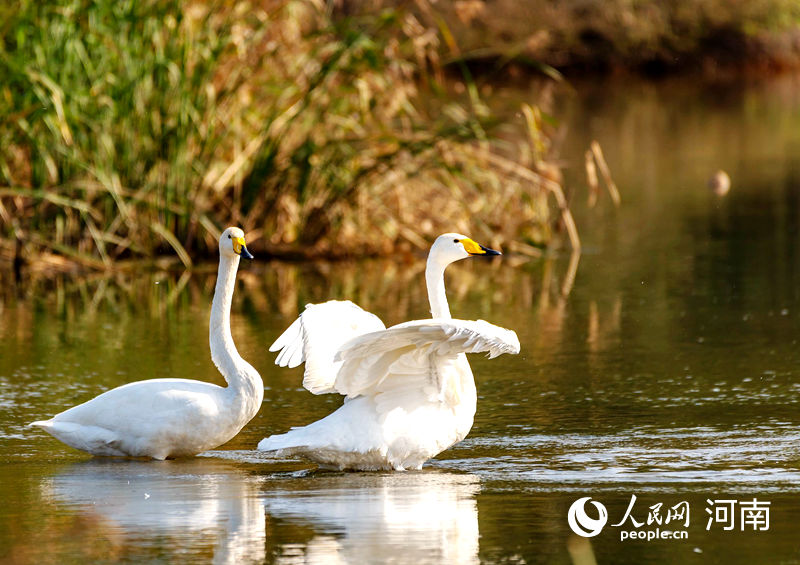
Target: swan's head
451 247
231 243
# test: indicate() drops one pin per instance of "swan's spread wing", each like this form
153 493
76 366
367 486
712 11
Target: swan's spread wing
315 337
417 357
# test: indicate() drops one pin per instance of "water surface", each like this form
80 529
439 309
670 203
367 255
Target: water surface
669 372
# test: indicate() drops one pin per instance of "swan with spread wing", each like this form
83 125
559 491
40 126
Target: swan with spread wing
409 390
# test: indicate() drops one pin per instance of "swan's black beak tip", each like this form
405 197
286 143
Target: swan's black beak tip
245 253
487 251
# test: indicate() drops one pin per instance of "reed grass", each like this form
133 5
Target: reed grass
135 129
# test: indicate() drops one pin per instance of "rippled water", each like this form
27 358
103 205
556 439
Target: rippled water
668 374
760 459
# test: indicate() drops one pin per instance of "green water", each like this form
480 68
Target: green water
668 372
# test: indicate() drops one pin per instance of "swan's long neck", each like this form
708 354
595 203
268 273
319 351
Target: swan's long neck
241 377
434 277
464 402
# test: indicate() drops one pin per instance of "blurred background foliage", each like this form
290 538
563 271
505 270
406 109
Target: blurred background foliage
132 129
710 37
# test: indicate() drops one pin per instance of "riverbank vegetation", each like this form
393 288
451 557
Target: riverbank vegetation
707 37
134 129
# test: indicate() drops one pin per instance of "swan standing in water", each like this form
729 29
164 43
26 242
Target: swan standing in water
409 391
163 418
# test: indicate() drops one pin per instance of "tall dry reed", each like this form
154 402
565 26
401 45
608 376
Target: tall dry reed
131 129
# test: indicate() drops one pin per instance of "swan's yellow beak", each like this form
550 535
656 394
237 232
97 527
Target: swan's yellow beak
475 248
240 248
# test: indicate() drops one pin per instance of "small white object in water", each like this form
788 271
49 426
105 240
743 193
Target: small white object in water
720 183
146 496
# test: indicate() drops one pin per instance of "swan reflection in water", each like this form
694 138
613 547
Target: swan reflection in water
201 506
415 517
181 506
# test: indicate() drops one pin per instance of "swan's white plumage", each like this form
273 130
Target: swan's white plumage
409 391
403 356
315 337
162 418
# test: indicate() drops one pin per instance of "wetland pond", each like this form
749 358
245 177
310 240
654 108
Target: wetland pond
670 372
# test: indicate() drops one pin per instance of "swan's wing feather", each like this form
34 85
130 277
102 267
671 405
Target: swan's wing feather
315 337
410 358
290 345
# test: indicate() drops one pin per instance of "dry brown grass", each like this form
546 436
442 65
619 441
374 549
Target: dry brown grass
162 123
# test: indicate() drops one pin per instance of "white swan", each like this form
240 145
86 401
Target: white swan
163 418
409 390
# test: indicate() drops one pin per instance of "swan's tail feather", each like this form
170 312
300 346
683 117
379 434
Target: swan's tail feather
293 444
92 439
41 424
290 440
